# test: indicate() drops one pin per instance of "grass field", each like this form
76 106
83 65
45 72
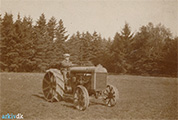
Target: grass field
140 98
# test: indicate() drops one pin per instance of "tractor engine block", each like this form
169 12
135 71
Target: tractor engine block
81 79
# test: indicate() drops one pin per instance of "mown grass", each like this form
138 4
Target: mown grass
140 98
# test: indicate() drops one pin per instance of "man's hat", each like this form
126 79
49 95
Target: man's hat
66 55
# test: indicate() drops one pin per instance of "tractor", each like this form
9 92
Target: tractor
83 83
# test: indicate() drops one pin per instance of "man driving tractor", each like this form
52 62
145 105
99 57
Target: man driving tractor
65 65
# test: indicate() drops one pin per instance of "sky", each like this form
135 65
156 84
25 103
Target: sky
103 16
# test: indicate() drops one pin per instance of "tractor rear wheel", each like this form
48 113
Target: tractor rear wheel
50 87
81 98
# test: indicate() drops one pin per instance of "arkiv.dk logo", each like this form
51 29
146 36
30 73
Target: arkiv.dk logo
12 116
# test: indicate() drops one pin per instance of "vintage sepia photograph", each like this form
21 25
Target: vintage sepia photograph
89 59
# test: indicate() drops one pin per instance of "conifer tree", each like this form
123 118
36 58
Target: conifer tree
74 46
18 46
50 54
51 28
121 50
2 64
28 52
7 43
60 41
41 40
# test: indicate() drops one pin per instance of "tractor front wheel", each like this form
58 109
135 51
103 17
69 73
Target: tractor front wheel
110 95
81 98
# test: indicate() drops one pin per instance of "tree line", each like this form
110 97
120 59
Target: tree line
35 48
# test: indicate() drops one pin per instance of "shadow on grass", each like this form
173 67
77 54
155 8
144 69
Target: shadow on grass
69 106
68 101
40 95
92 103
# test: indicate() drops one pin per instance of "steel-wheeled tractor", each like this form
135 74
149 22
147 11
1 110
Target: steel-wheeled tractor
83 83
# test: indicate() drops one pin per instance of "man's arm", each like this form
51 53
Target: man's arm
66 64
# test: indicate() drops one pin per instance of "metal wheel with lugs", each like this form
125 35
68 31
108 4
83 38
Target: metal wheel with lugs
81 98
53 85
110 95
